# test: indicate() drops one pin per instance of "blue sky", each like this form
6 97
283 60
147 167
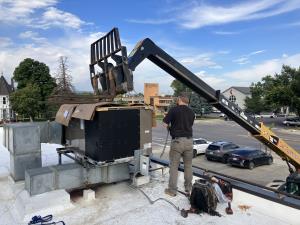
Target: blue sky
226 43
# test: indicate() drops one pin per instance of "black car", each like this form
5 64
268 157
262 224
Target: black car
249 158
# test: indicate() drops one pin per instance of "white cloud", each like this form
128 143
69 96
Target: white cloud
256 52
34 36
224 52
5 42
78 53
200 60
55 17
28 34
242 60
294 24
216 67
216 82
21 11
147 72
151 21
42 14
206 15
220 32
200 73
245 59
197 14
37 14
269 67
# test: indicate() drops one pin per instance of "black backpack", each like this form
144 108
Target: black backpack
203 198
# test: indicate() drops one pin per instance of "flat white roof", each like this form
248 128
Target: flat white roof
121 204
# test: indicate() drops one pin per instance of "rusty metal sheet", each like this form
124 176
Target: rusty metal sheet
64 113
87 111
122 106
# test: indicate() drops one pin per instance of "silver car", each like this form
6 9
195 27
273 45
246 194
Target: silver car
292 121
220 150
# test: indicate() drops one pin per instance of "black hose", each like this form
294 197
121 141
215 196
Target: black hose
165 145
153 201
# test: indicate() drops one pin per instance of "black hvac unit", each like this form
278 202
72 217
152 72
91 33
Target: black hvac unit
112 134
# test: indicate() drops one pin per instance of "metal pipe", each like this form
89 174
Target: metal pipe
245 186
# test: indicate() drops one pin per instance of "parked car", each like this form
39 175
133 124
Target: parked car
220 150
295 121
249 158
199 146
265 115
256 116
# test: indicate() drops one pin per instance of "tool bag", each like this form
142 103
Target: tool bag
203 198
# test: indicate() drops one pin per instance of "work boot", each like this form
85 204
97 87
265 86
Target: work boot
170 192
228 211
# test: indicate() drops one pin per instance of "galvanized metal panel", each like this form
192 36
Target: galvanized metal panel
5 136
74 135
146 130
69 176
10 138
95 176
117 172
20 163
55 133
72 176
24 138
39 180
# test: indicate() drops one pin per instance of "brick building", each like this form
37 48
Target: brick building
160 103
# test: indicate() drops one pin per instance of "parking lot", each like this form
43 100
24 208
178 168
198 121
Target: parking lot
217 129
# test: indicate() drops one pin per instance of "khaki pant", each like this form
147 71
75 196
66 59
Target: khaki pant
181 147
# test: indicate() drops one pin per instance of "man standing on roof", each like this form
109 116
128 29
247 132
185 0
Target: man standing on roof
179 120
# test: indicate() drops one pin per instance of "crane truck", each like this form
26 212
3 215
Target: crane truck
116 77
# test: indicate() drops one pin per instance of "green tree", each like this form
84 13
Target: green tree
31 71
274 92
179 87
37 74
25 101
256 103
197 103
295 87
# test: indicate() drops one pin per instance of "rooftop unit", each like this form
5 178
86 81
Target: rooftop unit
106 132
